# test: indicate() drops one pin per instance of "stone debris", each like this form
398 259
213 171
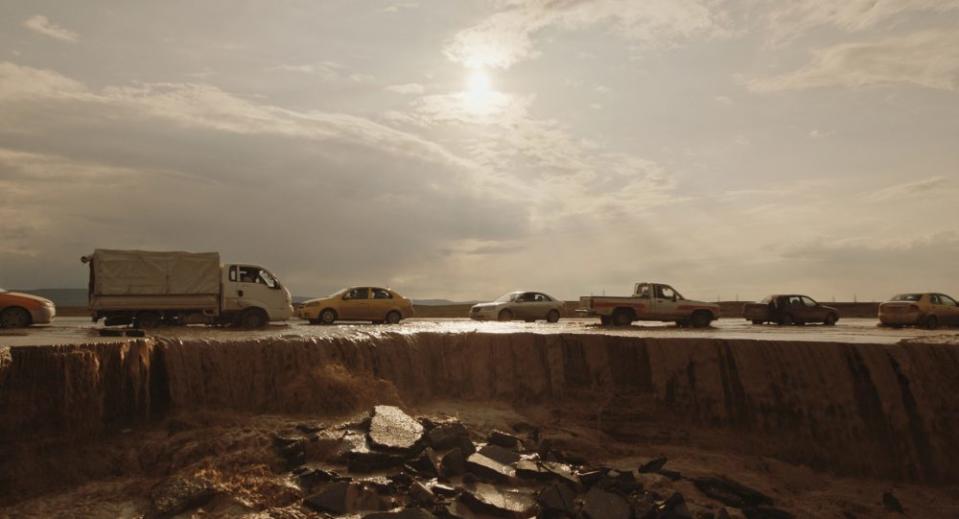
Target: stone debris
730 492
503 439
451 435
421 469
179 494
493 500
453 463
499 454
391 428
489 469
891 503
600 504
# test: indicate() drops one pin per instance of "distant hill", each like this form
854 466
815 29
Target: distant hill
60 296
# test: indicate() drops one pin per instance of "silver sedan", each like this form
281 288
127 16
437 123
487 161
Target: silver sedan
528 306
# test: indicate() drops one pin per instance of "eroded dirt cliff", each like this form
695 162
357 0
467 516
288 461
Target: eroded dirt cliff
888 411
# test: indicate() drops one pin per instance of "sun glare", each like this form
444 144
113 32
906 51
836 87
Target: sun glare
479 94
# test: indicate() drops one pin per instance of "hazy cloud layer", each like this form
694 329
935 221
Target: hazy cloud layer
929 59
463 149
40 24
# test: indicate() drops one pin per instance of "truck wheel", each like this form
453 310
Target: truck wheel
15 318
604 320
786 320
622 317
393 317
253 318
147 320
327 316
552 316
757 321
931 323
700 319
505 315
831 320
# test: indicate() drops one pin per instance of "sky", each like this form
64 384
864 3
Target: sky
461 149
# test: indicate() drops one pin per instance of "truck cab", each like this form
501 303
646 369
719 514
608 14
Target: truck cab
650 302
251 286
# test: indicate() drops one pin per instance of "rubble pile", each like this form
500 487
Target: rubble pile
392 465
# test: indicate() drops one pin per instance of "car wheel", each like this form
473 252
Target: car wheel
758 321
700 319
552 316
147 320
253 318
328 316
932 322
786 320
831 319
393 317
14 318
622 317
505 315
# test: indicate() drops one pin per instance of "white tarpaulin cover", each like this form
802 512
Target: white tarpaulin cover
133 272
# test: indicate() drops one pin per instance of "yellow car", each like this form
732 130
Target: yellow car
357 304
929 310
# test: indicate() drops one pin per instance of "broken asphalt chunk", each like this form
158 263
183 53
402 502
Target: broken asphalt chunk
488 468
453 463
488 499
557 498
653 465
500 454
391 428
178 495
600 504
730 492
406 513
497 437
451 435
766 512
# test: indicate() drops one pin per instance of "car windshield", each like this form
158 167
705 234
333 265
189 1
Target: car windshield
767 299
505 298
338 292
907 297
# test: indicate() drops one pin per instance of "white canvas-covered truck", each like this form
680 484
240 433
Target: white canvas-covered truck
147 289
650 302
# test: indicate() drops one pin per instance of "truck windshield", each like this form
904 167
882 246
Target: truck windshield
268 279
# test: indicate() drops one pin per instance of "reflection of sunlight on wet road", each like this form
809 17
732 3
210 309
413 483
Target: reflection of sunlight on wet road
69 330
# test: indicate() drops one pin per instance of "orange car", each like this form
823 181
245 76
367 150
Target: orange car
357 304
929 310
19 310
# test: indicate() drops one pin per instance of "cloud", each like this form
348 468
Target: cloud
407 88
396 6
793 18
506 37
922 187
41 25
327 70
928 59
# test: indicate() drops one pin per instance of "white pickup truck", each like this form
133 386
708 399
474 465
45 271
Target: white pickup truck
650 302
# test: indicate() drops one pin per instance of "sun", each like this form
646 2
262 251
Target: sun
479 95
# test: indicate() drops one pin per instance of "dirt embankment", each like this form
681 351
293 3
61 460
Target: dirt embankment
888 411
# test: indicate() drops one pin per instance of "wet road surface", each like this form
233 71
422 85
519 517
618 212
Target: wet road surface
73 330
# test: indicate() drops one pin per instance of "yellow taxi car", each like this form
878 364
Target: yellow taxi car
374 304
929 310
19 310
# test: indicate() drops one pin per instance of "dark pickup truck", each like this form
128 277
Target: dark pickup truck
790 309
